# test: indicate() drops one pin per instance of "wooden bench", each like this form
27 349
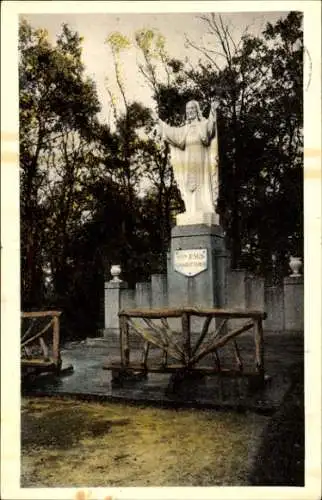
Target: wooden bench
40 352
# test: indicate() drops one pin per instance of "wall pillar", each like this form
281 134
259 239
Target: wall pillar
274 308
294 303
112 306
143 294
159 290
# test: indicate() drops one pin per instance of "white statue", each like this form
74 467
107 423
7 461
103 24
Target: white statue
194 157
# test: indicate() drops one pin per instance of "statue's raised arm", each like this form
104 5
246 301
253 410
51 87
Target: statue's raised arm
212 120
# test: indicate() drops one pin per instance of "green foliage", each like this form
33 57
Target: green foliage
58 107
118 42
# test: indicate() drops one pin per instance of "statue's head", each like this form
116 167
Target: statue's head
193 111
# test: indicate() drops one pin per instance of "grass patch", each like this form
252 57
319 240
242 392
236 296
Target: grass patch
68 443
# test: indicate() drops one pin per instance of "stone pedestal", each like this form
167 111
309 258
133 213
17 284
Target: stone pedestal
112 306
198 250
197 218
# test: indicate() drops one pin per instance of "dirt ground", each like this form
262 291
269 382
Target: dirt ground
69 443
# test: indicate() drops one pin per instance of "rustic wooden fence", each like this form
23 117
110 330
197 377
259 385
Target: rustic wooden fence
40 342
181 352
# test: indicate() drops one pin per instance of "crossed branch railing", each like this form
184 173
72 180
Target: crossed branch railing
182 352
38 350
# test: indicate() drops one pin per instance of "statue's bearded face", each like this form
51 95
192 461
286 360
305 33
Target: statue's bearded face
191 111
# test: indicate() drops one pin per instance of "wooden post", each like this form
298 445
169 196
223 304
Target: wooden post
145 354
203 333
238 357
123 344
126 342
217 360
185 321
56 349
44 348
165 357
259 346
121 319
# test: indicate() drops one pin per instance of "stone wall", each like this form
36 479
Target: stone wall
283 304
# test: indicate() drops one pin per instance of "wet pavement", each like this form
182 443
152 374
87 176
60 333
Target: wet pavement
89 380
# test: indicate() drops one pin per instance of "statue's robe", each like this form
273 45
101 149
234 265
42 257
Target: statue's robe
194 157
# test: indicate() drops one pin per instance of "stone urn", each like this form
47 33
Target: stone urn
115 272
295 264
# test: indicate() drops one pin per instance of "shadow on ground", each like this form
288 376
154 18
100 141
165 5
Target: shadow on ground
281 455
